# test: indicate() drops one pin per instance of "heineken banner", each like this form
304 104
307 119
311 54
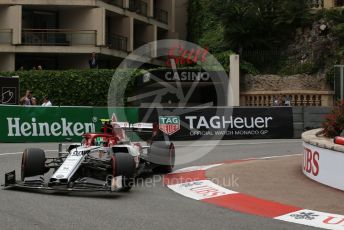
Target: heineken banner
221 123
54 124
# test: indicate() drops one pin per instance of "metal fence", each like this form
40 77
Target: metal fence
118 3
161 15
339 82
306 118
117 42
58 37
139 7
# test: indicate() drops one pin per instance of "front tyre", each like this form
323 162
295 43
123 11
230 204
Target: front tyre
33 163
124 165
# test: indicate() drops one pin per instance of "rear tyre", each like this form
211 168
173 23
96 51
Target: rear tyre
33 163
163 155
125 166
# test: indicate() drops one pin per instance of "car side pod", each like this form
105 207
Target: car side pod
10 178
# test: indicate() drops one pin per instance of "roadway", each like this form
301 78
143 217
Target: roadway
149 205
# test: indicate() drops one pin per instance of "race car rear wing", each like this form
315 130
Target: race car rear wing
135 127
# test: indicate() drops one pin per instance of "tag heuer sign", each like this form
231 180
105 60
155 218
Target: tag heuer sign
169 125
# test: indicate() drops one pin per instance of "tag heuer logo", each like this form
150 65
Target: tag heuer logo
169 125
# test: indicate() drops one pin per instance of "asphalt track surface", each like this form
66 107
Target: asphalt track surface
147 206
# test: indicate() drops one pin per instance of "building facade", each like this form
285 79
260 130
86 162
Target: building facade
62 34
327 4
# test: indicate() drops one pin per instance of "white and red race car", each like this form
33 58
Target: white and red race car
105 161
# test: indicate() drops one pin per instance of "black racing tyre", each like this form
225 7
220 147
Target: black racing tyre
162 155
33 163
125 166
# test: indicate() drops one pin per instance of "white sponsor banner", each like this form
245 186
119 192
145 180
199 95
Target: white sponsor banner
200 190
315 219
196 168
324 166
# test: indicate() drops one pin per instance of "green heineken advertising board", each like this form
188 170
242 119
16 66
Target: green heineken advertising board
55 124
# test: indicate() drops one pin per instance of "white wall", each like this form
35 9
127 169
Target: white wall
11 18
233 95
85 19
123 26
181 19
324 166
169 6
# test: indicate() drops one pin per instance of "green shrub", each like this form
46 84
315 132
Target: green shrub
84 87
71 87
245 67
298 68
334 124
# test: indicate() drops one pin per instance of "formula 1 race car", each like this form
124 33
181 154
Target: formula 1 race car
105 161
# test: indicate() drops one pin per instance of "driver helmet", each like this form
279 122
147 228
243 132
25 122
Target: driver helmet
101 141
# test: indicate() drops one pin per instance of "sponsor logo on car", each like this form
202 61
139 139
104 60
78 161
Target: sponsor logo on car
169 125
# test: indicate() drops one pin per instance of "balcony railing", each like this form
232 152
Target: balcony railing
5 36
316 4
293 98
118 3
139 7
59 37
161 16
117 42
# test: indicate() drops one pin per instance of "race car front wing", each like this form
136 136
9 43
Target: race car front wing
81 185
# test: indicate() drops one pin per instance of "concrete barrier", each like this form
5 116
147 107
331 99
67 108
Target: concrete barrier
323 161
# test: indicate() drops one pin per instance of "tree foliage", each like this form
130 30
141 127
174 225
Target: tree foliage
259 30
337 18
260 24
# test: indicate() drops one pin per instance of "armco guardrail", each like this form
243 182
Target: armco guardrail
54 124
306 118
